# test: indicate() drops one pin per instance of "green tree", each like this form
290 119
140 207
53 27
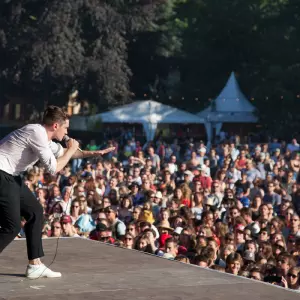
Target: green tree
50 46
154 52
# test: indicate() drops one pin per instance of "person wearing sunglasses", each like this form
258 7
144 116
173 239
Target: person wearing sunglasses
129 241
293 278
284 263
118 228
104 234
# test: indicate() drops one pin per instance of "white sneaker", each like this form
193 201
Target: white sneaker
39 271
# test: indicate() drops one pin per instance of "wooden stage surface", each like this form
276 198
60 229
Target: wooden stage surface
92 270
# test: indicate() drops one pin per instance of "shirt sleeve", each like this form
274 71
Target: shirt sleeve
40 145
57 149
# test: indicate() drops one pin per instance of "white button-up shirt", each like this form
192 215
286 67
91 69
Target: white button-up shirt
23 147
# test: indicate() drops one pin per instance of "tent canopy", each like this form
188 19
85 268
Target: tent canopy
149 113
231 106
227 117
231 98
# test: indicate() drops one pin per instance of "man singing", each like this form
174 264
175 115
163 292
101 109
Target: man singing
18 151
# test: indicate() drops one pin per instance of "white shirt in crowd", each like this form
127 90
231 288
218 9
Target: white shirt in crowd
22 148
66 206
234 153
173 168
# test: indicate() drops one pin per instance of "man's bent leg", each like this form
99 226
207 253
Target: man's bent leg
32 211
10 220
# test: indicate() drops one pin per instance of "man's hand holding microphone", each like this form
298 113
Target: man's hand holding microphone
71 144
69 153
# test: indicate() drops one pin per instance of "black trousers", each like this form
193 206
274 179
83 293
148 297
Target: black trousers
17 200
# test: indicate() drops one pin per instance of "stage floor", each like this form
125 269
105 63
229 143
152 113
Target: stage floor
92 270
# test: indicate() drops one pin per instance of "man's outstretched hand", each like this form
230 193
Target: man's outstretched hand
107 150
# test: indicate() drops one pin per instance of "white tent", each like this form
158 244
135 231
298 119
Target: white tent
231 106
149 113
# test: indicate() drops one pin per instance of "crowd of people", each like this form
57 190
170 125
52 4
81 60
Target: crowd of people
230 207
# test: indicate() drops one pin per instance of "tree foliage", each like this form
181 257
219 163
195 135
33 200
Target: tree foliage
50 46
173 50
257 39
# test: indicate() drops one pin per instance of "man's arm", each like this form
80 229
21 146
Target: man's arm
86 153
40 145
63 160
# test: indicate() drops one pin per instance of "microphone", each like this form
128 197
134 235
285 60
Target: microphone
66 139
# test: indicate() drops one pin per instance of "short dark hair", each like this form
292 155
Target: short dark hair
217 268
246 211
171 240
232 257
202 258
54 114
150 230
290 259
